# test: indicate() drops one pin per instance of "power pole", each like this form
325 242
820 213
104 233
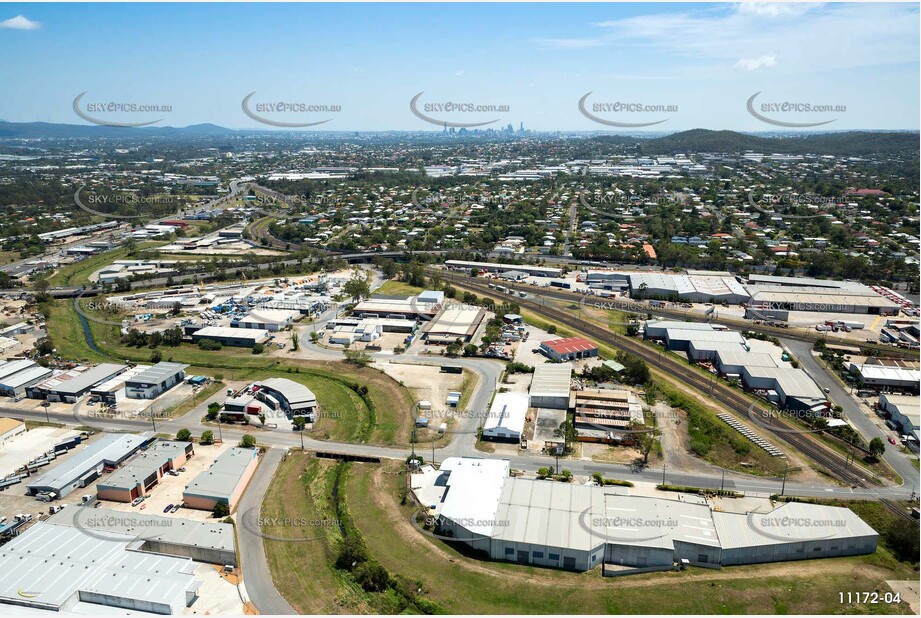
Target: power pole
783 485
663 472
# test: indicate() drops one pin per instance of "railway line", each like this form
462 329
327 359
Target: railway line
837 465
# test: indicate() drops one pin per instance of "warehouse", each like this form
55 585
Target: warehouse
10 428
550 386
82 468
17 384
683 340
823 300
395 307
272 320
695 289
292 397
63 568
506 417
72 390
658 329
825 532
578 527
537 271
904 412
382 324
568 348
887 377
731 362
153 382
223 482
793 387
599 414
143 472
233 337
111 391
202 541
454 323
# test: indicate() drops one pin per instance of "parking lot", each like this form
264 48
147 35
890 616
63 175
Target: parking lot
169 490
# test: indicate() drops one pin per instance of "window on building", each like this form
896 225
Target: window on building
538 554
553 556
509 551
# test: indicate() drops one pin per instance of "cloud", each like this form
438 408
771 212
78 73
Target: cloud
751 64
20 22
776 9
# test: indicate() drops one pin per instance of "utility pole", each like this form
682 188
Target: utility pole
663 472
46 405
723 481
302 438
783 485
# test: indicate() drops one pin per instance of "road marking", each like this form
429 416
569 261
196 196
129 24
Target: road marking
875 322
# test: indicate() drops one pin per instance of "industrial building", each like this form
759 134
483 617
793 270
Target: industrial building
579 527
144 471
904 413
506 417
293 398
599 414
396 307
453 323
111 391
690 288
733 358
224 481
63 568
10 428
550 386
536 271
805 294
232 337
84 467
568 348
887 377
272 320
153 382
16 376
72 390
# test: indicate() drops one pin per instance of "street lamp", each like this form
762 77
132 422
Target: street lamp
46 405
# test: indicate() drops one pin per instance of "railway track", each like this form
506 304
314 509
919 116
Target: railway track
836 464
689 316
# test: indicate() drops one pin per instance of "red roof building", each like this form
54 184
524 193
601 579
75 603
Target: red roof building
569 348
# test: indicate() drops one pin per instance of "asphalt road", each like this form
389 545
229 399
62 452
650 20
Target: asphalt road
256 574
853 411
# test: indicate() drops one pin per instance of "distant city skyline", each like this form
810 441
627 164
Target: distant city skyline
397 67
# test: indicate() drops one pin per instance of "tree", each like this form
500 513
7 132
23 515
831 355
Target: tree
209 344
295 344
567 431
220 509
213 409
551 330
453 348
207 437
248 441
156 356
357 357
357 287
877 447
41 290
299 422
259 348
184 435
646 441
470 350
44 346
565 475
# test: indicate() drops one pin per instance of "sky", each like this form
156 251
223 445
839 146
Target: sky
699 64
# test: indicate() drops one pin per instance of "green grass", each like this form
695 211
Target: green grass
382 416
303 571
78 273
463 584
398 288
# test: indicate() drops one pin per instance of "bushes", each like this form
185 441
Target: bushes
209 345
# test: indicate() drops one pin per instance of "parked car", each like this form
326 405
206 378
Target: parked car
892 440
168 508
137 501
175 508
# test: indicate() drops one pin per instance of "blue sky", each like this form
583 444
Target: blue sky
538 59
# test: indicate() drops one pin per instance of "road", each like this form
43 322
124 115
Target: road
853 411
256 574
